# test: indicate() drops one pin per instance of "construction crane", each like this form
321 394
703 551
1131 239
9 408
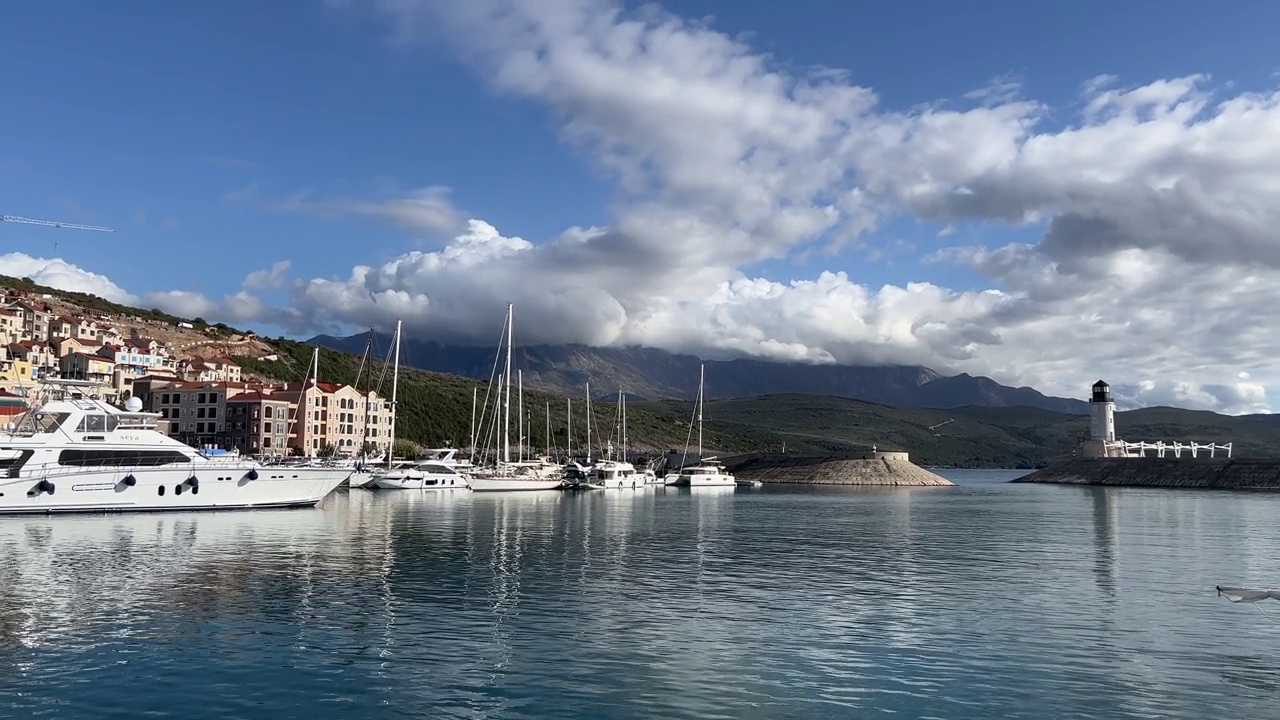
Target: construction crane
53 223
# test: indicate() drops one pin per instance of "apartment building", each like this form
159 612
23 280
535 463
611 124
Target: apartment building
337 416
64 346
258 423
219 370
136 359
193 412
15 371
86 366
10 325
44 361
35 320
268 419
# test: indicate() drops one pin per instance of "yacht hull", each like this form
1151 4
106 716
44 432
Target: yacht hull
704 481
363 480
214 488
419 483
504 484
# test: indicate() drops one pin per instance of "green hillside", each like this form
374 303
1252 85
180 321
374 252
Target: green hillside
436 408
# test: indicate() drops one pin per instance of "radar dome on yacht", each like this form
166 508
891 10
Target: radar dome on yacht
133 404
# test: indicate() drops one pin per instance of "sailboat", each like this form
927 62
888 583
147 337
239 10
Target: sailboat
610 474
709 472
518 475
432 474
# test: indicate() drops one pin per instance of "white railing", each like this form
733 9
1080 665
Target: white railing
1121 448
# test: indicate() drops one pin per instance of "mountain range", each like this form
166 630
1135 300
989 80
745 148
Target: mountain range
651 374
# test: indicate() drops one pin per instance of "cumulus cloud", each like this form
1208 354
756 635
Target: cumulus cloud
60 274
1150 213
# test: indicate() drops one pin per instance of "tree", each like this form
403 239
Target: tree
405 449
328 451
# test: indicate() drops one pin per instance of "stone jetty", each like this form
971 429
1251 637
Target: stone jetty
859 468
1215 473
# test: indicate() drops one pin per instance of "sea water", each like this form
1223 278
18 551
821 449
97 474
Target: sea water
983 600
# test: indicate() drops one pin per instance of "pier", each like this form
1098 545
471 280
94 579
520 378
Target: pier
849 468
1217 473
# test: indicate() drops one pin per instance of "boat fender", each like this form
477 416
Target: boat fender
252 474
193 481
130 480
46 486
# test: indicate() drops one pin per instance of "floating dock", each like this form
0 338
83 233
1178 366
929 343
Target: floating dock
1205 473
856 468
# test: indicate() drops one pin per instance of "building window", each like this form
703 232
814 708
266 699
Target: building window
266 411
199 412
213 412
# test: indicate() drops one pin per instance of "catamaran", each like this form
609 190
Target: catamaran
709 472
76 453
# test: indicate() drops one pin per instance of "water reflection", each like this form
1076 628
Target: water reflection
1105 528
975 602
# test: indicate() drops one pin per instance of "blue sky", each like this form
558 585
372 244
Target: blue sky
159 110
186 125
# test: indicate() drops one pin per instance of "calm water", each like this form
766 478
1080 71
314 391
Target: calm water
980 601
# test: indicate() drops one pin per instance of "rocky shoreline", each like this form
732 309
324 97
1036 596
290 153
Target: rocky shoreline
1216 473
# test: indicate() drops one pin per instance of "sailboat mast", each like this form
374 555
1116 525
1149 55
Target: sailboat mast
548 428
520 409
506 401
395 382
475 392
569 426
315 366
702 370
588 423
623 398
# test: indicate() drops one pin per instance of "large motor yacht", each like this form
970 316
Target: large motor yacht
80 454
438 470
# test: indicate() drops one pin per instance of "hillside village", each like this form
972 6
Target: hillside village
183 371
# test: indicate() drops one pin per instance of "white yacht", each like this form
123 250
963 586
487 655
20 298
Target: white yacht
81 454
615 475
708 472
440 471
542 474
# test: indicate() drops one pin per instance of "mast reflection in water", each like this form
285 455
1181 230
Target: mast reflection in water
976 601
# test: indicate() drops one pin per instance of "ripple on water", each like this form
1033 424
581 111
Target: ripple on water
982 600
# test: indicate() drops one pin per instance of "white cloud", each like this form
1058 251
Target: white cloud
1157 269
60 274
426 209
264 279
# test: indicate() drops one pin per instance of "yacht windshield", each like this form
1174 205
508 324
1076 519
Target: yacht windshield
34 421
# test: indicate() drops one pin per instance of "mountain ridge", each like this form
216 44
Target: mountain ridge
655 374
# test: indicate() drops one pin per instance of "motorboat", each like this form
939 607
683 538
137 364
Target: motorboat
81 454
440 472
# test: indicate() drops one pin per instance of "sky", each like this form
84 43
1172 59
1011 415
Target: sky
1043 193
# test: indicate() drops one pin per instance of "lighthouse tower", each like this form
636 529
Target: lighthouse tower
1102 414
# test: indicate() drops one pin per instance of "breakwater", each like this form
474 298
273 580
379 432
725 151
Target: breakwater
858 468
1215 473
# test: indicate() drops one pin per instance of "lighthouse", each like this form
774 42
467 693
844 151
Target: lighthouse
1102 414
